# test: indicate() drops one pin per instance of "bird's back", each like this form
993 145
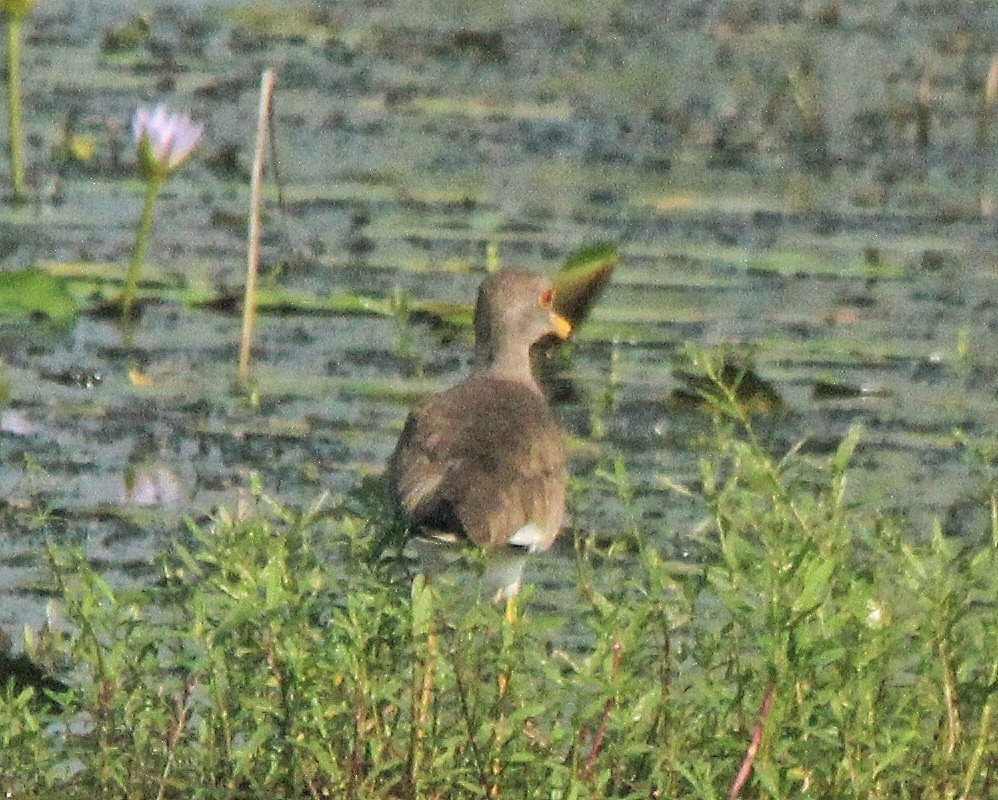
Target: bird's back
483 460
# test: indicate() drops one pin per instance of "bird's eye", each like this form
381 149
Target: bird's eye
546 299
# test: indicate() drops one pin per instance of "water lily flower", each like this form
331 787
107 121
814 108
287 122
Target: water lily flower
165 140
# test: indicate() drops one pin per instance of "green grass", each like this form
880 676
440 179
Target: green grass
280 656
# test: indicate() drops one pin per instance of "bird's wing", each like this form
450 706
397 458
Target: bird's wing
484 476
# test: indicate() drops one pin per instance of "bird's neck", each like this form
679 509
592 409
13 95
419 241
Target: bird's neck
505 361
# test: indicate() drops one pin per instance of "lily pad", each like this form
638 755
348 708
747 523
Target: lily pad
34 293
286 302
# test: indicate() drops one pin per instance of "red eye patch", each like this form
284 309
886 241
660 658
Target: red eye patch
546 299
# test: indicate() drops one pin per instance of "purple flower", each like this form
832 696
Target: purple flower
165 140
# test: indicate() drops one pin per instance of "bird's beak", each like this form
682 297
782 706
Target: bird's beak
560 326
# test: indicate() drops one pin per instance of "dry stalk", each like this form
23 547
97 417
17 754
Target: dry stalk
253 236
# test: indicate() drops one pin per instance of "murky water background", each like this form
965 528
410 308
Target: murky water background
759 164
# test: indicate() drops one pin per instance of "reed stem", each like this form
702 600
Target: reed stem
253 234
15 136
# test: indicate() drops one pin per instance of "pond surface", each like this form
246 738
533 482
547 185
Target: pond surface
817 183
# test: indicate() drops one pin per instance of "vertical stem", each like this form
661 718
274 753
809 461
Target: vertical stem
425 656
988 93
985 155
596 746
355 764
253 235
143 233
923 113
14 135
753 748
983 737
949 698
175 732
471 724
500 730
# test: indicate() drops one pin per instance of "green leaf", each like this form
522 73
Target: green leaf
422 606
582 279
248 752
846 448
816 579
32 292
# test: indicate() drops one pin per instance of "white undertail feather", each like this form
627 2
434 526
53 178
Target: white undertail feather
529 536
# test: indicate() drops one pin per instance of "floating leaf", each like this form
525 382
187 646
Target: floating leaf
286 301
128 37
832 389
441 312
32 292
835 390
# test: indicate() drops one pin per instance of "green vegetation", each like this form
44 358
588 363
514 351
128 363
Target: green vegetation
34 293
281 657
15 11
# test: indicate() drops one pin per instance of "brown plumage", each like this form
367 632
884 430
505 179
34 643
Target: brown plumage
484 460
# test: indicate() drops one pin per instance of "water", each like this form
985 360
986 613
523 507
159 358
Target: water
859 268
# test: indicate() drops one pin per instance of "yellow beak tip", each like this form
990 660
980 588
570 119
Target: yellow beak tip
561 326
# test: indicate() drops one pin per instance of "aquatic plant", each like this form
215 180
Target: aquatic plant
817 648
15 11
165 140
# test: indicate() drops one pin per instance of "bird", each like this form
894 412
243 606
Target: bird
484 461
